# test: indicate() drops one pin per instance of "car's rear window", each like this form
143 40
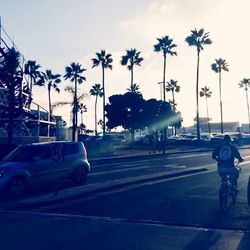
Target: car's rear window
70 149
28 153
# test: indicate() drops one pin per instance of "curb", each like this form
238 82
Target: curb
142 156
54 200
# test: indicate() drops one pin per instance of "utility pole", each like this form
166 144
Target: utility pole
160 89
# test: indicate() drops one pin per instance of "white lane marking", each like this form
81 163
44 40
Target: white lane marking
148 160
170 166
118 190
188 156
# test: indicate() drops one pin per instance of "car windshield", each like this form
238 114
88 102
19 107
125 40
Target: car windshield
27 154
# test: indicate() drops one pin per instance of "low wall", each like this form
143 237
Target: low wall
99 148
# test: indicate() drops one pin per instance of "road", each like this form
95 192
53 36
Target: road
154 193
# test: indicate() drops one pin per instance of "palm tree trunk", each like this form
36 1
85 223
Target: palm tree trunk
74 113
132 77
208 123
96 115
164 99
164 78
173 127
197 97
248 110
81 117
49 96
173 99
103 87
50 111
221 113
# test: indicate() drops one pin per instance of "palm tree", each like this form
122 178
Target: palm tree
31 68
166 45
134 88
131 59
198 39
245 84
96 91
51 81
173 87
207 93
74 73
219 65
83 109
105 60
71 91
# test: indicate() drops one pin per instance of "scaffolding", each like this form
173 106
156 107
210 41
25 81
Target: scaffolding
29 120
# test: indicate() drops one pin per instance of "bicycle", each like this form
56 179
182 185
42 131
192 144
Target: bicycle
228 192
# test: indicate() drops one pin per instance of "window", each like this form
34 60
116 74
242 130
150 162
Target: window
70 149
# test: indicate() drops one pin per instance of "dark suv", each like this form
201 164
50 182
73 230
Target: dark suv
38 164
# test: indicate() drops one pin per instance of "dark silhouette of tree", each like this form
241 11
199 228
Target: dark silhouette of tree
82 128
74 73
105 60
83 109
207 93
166 45
31 68
173 87
51 81
136 113
244 83
129 107
219 65
11 78
134 88
131 59
96 91
71 91
198 39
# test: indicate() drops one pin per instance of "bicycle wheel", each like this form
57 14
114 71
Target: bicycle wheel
223 197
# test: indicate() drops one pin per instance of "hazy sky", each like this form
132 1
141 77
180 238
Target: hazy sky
58 32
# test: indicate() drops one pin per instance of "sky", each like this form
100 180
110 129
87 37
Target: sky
56 33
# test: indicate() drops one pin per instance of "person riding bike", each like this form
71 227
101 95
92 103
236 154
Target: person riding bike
225 154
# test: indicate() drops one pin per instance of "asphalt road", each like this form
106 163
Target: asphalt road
187 200
184 206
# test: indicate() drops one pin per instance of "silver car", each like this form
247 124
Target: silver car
38 164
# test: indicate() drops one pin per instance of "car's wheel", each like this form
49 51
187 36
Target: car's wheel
80 175
17 186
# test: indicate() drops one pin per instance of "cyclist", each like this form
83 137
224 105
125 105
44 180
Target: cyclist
225 154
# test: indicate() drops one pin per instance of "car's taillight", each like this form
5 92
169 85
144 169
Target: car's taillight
84 152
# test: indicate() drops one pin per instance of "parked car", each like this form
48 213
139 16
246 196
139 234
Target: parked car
38 164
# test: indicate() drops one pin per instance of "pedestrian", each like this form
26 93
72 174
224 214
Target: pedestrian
152 143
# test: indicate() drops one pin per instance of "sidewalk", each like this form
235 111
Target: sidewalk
139 151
